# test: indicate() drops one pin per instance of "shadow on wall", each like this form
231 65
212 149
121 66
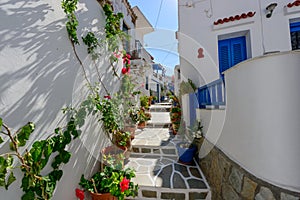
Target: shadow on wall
39 75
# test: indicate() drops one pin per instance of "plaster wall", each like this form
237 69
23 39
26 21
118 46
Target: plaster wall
197 30
259 129
39 75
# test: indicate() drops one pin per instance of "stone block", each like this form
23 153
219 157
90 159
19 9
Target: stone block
149 194
284 196
196 195
228 193
215 175
248 190
144 150
224 167
135 150
235 179
265 194
175 196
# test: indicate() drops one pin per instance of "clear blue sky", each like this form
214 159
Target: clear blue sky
161 44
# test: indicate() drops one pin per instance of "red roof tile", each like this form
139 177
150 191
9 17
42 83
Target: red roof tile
295 3
237 17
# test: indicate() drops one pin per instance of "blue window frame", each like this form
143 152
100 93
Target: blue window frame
295 35
231 52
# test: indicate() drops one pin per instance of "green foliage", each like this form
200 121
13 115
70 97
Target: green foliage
23 134
92 42
34 160
112 27
144 100
69 7
109 181
122 138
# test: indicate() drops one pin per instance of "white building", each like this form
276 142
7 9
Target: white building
255 118
141 60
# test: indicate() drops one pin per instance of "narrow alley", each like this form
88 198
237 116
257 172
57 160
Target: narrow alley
155 159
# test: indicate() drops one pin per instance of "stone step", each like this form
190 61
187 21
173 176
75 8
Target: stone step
160 108
162 177
158 125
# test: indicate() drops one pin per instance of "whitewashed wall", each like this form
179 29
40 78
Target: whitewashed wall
261 127
196 30
39 75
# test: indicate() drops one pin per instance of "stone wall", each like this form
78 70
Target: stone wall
229 181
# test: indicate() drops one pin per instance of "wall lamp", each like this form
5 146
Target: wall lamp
270 8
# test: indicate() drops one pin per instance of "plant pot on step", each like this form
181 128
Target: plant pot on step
105 196
186 152
142 125
113 155
130 128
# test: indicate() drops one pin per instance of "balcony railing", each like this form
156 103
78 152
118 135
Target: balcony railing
212 94
139 52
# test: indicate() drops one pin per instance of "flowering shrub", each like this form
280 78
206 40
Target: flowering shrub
111 180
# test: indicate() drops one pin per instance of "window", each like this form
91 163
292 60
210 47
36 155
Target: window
295 35
126 43
147 83
231 52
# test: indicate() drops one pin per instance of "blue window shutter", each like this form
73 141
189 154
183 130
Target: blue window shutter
295 27
224 55
238 50
231 52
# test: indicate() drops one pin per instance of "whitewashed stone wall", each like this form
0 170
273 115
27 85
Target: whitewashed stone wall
39 75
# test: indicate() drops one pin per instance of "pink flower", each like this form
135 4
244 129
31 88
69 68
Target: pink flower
124 185
79 194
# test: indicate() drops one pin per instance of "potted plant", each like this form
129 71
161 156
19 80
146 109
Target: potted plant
143 118
187 150
175 116
131 121
110 184
145 102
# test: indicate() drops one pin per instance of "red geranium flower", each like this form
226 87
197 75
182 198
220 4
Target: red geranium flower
124 185
124 70
107 97
79 194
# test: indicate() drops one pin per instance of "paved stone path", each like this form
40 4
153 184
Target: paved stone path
155 159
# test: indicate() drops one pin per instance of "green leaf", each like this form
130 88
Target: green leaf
9 161
55 175
29 195
1 122
2 180
24 133
11 179
25 183
1 140
36 151
65 156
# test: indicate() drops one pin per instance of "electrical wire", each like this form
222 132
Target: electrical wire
161 2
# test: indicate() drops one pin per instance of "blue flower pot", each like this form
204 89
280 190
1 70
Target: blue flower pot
186 154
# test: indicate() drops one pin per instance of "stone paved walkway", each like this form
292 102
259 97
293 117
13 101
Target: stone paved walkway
155 159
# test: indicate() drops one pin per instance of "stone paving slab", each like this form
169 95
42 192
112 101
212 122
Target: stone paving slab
166 172
160 118
153 137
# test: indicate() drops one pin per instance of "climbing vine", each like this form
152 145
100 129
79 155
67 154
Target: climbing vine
69 7
34 160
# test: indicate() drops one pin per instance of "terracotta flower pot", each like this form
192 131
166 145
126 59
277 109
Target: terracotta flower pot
142 125
105 196
131 129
